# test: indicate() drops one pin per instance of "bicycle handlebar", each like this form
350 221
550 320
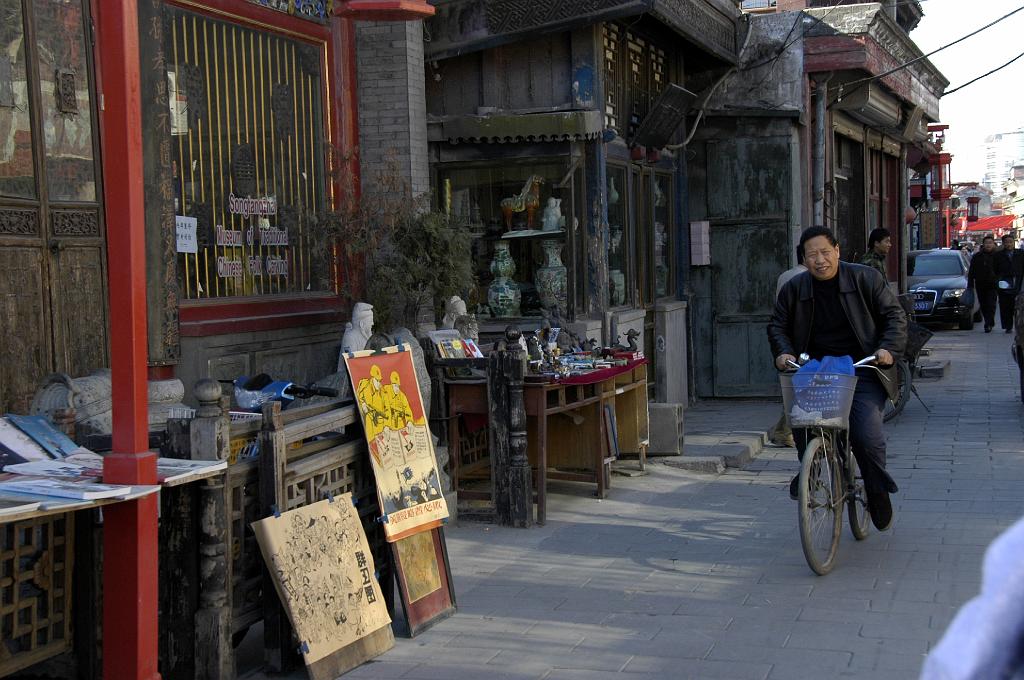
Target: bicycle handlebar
304 392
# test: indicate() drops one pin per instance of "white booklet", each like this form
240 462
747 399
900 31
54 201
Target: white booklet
10 506
40 486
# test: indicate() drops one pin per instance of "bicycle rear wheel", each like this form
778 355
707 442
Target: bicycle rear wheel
904 381
820 502
856 501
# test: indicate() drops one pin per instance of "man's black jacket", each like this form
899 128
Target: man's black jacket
982 272
875 315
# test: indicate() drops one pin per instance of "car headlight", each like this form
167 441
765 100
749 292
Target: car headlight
953 293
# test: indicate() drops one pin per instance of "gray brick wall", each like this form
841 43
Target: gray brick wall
392 101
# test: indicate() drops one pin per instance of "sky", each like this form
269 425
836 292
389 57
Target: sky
993 104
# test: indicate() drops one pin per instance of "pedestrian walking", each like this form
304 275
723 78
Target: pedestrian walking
879 245
841 309
781 434
1009 269
981 276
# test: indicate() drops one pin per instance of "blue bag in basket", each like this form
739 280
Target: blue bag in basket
819 387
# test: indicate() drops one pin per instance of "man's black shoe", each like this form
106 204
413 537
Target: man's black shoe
794 488
880 508
1009 330
988 329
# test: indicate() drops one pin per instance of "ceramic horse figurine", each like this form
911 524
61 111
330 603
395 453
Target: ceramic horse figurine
528 199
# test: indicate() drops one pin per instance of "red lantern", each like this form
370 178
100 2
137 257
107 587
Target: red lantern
941 190
383 10
972 208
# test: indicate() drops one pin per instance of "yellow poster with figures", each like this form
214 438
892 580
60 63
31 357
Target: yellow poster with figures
401 448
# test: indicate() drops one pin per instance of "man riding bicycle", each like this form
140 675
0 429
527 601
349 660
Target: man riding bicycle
842 309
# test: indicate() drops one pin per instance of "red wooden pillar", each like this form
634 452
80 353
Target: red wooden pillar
130 529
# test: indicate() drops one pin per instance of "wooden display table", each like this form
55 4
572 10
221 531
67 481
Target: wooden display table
566 429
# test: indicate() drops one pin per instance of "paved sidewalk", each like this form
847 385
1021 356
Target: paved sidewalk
682 575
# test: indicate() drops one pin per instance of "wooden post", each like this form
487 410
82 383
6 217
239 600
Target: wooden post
520 487
277 637
498 414
510 472
214 657
130 599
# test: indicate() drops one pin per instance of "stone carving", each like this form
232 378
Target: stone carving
75 223
21 222
90 397
453 309
503 295
357 331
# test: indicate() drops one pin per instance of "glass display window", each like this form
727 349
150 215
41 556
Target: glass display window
248 139
524 219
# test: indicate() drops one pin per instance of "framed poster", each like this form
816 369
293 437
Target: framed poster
424 579
401 447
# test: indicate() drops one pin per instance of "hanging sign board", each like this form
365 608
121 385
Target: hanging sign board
665 117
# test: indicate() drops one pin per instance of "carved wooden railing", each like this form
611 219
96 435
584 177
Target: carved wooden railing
306 454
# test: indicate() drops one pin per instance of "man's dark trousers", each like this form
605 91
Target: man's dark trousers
1006 302
987 300
866 434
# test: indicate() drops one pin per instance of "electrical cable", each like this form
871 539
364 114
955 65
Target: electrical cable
984 75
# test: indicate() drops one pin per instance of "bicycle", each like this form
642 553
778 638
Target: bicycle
829 474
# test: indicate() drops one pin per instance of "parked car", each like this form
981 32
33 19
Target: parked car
937 280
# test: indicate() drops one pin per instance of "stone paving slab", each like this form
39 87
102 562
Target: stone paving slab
684 575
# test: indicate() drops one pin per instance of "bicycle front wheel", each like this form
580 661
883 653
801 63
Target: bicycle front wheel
856 500
821 506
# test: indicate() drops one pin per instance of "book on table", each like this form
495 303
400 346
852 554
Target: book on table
62 487
11 506
82 466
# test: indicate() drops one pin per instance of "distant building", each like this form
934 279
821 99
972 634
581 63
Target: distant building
1003 150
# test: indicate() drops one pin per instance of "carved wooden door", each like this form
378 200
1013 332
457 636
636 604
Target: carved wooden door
53 295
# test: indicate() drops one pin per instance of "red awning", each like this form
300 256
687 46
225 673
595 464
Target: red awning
991 223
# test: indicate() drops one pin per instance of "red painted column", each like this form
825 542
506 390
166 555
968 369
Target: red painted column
130 529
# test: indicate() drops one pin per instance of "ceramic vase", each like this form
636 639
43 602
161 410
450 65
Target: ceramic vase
503 295
617 288
551 279
613 194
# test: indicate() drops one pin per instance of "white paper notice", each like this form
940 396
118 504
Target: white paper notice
186 233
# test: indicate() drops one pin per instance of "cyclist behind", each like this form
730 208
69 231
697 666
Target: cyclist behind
839 309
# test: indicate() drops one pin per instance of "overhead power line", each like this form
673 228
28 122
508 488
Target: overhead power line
984 75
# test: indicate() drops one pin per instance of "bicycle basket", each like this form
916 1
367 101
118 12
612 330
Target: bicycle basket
818 399
917 337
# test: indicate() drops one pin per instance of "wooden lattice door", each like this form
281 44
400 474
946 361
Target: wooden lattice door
53 295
